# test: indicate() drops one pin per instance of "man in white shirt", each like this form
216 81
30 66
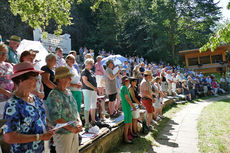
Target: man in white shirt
169 81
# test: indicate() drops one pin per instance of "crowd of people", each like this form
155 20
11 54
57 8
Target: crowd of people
36 99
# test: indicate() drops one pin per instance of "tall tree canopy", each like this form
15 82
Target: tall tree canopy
154 29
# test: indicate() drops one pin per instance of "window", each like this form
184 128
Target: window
193 61
205 60
217 59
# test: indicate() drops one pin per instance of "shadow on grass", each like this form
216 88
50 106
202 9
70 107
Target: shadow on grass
165 135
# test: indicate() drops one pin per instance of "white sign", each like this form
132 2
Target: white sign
52 41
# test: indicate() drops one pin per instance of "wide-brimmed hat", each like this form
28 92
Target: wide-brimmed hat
132 79
147 72
99 57
124 78
14 38
62 72
23 68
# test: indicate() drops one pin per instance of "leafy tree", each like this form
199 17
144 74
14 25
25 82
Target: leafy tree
188 23
222 36
38 13
154 29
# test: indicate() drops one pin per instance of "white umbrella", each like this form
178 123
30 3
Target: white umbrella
117 59
34 45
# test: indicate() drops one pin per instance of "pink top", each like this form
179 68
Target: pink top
215 84
99 69
6 70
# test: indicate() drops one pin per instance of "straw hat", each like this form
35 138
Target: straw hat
14 38
147 72
23 68
62 72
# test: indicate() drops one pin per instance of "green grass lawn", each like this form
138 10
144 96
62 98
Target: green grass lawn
214 128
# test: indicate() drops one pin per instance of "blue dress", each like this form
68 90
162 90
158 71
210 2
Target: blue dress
25 118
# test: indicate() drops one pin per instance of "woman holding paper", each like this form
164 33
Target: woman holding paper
26 125
111 86
62 108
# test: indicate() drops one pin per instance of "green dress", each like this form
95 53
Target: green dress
126 108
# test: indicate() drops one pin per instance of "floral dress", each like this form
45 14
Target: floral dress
6 69
25 118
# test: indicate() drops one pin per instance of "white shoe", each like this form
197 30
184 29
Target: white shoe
154 122
158 118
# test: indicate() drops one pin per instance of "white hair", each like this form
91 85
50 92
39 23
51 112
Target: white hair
88 61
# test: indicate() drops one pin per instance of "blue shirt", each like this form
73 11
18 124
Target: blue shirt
12 56
126 67
25 118
76 67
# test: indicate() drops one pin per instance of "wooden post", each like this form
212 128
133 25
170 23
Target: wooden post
186 60
224 56
210 59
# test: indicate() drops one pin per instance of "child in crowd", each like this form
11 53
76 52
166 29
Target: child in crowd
126 108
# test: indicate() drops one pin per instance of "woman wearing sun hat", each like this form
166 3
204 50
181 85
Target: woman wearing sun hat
62 108
26 125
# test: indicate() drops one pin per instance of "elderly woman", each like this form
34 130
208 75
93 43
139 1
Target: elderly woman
26 126
75 83
62 108
28 56
89 89
6 69
48 75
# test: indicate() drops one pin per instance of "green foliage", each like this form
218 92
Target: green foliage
222 36
38 13
154 29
